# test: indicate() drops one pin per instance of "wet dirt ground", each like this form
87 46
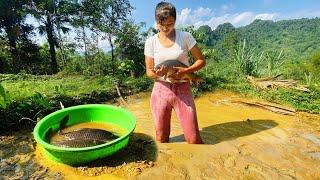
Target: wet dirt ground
241 142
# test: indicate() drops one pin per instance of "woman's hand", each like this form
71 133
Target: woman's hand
159 71
180 72
153 73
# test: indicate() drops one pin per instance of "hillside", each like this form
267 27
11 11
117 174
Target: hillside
298 37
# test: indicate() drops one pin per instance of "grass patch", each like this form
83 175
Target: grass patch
22 86
32 97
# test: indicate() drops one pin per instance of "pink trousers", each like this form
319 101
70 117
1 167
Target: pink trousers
165 97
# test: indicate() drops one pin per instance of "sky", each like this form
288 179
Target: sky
215 12
237 12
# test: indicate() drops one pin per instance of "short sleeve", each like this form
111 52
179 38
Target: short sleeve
189 39
148 48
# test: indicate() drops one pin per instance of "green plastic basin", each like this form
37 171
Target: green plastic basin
80 114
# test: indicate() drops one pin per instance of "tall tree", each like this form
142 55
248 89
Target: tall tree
46 12
4 55
12 15
108 16
81 22
65 9
129 45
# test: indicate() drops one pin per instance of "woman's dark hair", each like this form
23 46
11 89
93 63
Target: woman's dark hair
164 10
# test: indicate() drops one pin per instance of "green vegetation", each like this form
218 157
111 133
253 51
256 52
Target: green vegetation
27 98
246 60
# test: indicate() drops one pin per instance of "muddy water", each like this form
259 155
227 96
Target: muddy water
242 142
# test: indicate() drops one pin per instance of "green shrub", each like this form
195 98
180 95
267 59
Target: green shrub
247 60
3 95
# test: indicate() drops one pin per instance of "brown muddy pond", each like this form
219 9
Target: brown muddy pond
242 142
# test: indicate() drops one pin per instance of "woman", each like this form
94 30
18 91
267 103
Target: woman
171 44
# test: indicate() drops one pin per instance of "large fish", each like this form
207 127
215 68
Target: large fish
170 68
77 143
90 133
85 137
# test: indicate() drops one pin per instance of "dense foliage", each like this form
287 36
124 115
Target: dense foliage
266 48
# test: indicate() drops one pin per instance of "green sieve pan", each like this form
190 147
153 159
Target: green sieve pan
81 114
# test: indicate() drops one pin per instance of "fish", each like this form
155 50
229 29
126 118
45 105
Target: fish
171 67
84 137
77 143
89 133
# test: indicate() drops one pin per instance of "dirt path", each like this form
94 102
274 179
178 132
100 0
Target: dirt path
242 142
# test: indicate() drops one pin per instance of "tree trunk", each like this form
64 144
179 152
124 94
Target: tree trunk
61 45
99 55
49 29
84 38
1 66
13 50
112 55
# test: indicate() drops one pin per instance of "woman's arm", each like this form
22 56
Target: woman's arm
198 64
199 60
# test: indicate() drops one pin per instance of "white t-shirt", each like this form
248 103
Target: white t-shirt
178 51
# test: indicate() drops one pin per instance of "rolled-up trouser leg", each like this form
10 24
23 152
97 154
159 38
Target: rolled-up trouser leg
185 109
161 110
166 96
